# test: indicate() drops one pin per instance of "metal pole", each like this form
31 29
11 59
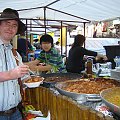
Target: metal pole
66 44
26 41
45 18
61 37
84 32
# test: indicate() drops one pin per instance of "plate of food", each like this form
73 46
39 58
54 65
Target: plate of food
34 81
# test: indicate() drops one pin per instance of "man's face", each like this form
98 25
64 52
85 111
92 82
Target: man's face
8 29
46 46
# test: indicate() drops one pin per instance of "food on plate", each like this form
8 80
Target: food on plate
34 79
30 116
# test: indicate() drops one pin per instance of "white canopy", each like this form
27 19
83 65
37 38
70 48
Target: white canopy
93 10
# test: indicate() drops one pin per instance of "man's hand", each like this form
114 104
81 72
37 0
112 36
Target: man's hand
19 71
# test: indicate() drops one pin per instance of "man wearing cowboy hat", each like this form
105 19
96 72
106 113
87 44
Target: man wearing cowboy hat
10 25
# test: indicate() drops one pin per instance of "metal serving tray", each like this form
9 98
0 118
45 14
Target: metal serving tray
76 96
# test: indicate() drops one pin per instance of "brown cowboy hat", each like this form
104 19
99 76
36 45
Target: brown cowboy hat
11 14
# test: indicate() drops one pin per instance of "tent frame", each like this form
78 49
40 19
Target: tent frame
59 21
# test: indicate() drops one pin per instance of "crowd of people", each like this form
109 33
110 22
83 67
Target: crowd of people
48 61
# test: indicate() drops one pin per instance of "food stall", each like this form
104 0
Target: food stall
63 107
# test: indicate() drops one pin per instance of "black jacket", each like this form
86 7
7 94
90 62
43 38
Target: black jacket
75 62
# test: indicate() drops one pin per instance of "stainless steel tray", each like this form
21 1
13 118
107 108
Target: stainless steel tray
60 77
76 96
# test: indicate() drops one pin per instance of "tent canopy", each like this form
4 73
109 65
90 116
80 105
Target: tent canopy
73 10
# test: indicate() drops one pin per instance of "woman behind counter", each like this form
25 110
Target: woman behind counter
49 57
75 62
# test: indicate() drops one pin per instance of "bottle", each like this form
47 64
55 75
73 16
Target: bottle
116 60
89 66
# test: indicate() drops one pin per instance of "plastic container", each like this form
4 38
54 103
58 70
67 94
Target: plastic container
117 61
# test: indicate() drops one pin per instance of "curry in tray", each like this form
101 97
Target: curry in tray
90 86
114 99
113 96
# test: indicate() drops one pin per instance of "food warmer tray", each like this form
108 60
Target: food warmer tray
52 78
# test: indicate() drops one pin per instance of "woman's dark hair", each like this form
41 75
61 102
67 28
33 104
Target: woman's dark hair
46 38
78 40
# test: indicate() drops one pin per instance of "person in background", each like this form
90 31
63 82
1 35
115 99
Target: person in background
49 57
58 47
95 34
10 97
36 43
23 46
75 62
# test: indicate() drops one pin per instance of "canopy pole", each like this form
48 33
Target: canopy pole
84 32
45 18
61 36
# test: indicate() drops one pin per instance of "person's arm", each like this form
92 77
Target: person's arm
95 54
88 52
15 73
43 68
35 67
32 64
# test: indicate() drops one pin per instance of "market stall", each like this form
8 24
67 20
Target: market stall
64 107
61 107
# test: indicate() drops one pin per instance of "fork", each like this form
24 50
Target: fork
22 64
